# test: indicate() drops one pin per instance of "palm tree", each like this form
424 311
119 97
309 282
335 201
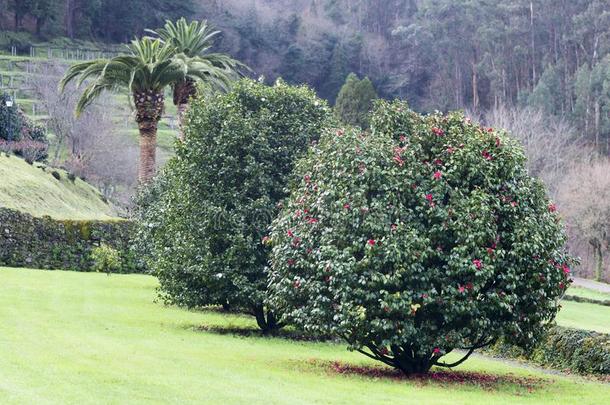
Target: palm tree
148 68
194 40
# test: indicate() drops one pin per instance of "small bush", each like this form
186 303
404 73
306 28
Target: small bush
56 174
426 236
72 177
106 259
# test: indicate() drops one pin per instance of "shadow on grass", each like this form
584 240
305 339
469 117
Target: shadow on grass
286 333
490 382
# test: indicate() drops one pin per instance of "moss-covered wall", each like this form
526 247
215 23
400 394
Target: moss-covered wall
46 243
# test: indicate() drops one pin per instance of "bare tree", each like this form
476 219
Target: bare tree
95 142
584 199
551 145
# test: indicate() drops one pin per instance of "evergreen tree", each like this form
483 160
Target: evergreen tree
355 101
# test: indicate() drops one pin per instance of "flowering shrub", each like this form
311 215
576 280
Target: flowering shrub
214 202
424 237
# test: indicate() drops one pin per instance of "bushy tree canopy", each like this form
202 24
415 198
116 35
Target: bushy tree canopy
355 101
424 237
218 196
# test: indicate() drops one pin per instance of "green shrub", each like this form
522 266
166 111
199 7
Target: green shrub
106 259
216 199
575 350
355 101
424 237
56 174
45 243
10 120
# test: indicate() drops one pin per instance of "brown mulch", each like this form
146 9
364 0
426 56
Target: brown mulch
443 377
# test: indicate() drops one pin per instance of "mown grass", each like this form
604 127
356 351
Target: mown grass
80 338
28 188
588 293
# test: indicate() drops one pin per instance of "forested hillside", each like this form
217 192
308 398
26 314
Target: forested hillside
438 54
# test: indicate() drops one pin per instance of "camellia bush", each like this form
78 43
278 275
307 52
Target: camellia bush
421 238
204 220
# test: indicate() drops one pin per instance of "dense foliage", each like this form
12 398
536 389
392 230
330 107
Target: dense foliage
424 237
579 351
46 243
355 101
216 199
18 134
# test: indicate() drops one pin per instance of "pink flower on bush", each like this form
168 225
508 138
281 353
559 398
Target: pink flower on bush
312 220
438 131
450 150
394 227
398 160
438 175
566 269
461 288
498 142
402 138
486 155
490 129
290 262
266 240
371 242
346 206
290 233
307 178
552 207
477 263
436 350
438 162
296 283
429 197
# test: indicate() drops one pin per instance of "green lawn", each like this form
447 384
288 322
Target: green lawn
28 188
588 293
82 338
584 316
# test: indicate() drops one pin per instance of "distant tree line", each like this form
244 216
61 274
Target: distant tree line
106 20
437 54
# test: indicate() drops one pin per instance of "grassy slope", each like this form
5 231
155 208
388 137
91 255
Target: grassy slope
87 338
27 188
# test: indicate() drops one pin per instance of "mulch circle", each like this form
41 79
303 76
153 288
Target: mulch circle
443 377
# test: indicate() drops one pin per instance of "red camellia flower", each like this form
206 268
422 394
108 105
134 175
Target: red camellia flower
477 263
346 206
290 233
402 138
438 162
450 150
398 160
490 129
371 242
437 175
394 226
498 142
552 207
566 269
312 220
290 262
297 283
436 350
486 155
429 197
438 131
461 288
307 178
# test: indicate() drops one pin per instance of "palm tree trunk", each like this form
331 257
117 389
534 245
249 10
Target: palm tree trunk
149 109
181 112
183 92
148 152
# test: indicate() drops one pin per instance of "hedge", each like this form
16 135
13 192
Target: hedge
46 243
575 350
576 298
